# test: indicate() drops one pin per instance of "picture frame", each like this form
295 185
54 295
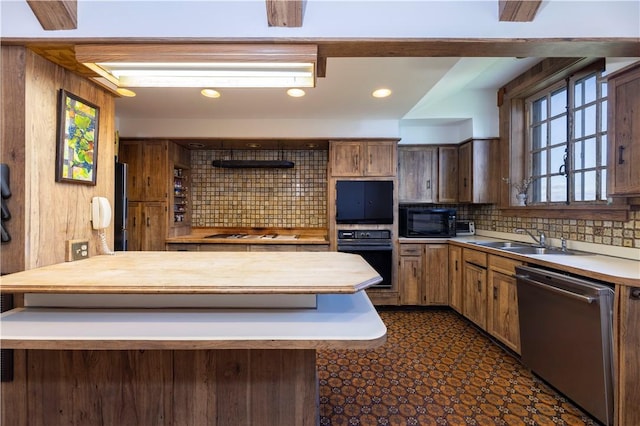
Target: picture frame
77 149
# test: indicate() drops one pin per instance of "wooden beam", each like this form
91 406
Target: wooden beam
285 13
56 14
518 10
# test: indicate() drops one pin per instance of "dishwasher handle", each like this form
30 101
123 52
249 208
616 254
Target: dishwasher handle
570 294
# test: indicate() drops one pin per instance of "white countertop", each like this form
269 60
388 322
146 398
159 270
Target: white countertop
607 268
340 321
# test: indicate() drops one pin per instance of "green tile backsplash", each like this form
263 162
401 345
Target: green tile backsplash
294 197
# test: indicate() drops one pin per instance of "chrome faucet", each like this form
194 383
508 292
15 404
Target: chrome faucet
542 241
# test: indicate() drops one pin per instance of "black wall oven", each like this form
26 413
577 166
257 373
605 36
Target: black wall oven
375 247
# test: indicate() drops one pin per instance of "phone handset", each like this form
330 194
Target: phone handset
100 220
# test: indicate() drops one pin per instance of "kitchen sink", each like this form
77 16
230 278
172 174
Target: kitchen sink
524 248
502 244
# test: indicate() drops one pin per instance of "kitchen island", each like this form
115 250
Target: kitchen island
98 349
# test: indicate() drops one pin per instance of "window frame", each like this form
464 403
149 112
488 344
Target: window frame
513 127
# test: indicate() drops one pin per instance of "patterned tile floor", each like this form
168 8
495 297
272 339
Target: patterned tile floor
435 369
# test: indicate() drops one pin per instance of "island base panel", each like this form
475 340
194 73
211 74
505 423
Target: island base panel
154 387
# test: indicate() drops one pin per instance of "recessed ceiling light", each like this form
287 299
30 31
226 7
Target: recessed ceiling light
210 93
381 93
126 92
296 93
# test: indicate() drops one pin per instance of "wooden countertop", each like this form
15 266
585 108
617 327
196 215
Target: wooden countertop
254 236
341 321
200 273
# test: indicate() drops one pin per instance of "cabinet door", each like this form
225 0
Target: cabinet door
624 134
131 153
475 294
380 159
346 158
416 175
455 278
448 174
155 226
155 171
627 342
135 227
464 179
410 280
502 309
436 275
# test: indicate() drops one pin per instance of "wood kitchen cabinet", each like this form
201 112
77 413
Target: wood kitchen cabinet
624 132
148 169
157 190
478 171
428 174
362 158
147 225
455 278
417 174
502 302
424 274
627 356
474 287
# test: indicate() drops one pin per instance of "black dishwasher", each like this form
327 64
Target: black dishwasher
566 334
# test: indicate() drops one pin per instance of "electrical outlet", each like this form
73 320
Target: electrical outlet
76 250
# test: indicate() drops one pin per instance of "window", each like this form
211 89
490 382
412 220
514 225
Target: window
567 141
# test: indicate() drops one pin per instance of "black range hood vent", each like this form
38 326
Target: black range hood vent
253 164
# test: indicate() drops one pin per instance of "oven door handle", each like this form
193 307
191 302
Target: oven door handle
562 292
364 248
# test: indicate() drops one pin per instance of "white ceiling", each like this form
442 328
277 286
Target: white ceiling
419 84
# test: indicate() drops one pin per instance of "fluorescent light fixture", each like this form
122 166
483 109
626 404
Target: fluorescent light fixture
214 65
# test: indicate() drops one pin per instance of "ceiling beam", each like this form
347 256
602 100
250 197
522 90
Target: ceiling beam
55 14
285 13
518 10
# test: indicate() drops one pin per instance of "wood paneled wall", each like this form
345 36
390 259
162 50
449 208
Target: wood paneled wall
46 213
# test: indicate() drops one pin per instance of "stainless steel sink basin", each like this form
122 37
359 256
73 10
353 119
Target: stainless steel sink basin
540 250
502 244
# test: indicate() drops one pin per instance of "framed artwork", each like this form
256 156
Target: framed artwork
77 154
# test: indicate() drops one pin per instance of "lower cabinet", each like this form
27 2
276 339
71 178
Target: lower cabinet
147 225
474 287
424 274
455 278
502 302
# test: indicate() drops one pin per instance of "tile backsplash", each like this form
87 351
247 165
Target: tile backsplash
259 197
608 232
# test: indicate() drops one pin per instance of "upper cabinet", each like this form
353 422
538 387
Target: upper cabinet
148 168
478 175
363 158
624 132
417 174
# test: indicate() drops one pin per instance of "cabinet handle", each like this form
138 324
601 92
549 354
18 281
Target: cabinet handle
134 221
133 181
415 272
148 180
479 285
148 222
495 293
464 182
621 154
456 265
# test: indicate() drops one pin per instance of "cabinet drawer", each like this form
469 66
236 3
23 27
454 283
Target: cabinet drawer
411 249
478 258
503 264
182 247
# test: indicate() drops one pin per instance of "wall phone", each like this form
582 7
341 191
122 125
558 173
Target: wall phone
100 213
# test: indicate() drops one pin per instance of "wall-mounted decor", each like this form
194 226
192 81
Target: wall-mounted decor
77 154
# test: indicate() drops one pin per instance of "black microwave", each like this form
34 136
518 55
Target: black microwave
425 222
